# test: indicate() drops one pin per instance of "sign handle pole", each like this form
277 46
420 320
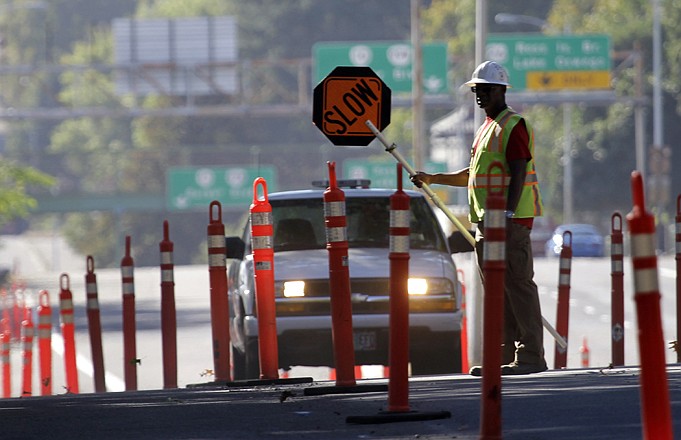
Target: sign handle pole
392 149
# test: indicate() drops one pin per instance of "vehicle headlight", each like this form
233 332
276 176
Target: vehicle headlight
417 286
423 286
294 289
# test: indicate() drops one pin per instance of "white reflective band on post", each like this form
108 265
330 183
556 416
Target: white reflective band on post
334 209
66 304
643 245
678 228
261 218
678 248
28 332
262 242
565 263
167 276
336 234
216 241
494 250
166 258
617 266
128 288
617 249
645 280
5 358
44 333
67 318
91 288
564 279
495 218
127 271
44 320
216 260
399 218
399 243
92 304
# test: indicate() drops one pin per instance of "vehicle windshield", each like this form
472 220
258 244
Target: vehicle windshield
299 224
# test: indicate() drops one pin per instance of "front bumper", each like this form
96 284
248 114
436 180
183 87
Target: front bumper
434 322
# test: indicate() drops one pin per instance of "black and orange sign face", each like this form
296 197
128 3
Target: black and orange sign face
345 100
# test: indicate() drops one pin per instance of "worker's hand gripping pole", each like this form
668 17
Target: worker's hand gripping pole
392 149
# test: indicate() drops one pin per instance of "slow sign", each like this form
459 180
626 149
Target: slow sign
345 100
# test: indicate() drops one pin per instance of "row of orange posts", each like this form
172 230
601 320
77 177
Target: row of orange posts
17 311
44 335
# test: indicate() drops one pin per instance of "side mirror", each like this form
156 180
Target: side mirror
235 248
458 243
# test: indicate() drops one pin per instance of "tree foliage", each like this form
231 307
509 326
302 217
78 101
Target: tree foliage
15 181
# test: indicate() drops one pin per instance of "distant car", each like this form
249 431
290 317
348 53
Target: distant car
301 262
542 230
587 241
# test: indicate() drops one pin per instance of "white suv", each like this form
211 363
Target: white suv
303 319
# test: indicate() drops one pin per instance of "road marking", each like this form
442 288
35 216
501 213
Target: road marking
669 273
84 365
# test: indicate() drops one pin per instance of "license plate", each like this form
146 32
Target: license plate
365 341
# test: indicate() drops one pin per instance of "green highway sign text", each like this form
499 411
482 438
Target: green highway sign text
196 187
392 62
551 63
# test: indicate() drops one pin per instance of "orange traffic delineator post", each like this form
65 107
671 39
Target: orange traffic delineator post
68 333
45 342
563 306
263 262
5 352
335 223
655 408
677 257
617 291
17 312
94 326
27 334
219 304
494 269
339 279
464 323
398 381
168 312
584 353
130 360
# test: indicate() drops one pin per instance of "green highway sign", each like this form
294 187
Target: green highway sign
392 62
191 188
383 174
551 63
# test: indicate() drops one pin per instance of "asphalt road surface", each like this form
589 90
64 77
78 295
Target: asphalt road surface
556 405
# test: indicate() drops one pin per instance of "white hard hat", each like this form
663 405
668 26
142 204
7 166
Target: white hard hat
489 72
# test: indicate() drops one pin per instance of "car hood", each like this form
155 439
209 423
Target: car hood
364 263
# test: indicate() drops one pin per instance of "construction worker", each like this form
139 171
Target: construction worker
506 137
